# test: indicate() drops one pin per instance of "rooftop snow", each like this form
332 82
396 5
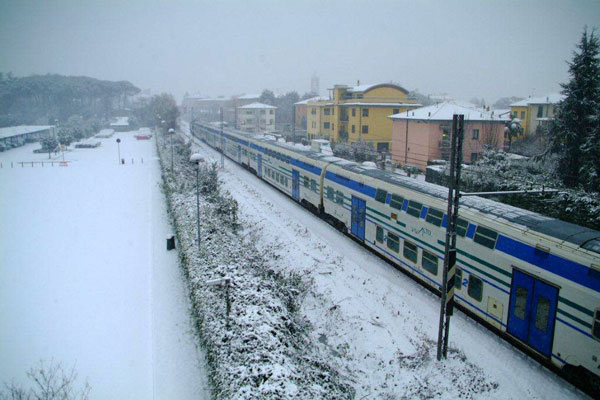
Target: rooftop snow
553 98
445 111
120 121
384 104
258 106
22 130
317 98
249 97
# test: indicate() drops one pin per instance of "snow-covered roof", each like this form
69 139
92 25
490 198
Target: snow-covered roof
10 131
364 88
553 98
120 121
249 96
258 106
317 98
445 112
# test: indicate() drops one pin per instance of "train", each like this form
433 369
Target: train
532 279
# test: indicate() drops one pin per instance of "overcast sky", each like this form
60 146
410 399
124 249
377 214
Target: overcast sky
465 48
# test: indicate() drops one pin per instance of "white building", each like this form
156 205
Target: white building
256 117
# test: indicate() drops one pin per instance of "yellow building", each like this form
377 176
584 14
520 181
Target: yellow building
358 112
534 112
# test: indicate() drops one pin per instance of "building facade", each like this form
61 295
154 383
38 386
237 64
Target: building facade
424 134
534 112
358 112
256 118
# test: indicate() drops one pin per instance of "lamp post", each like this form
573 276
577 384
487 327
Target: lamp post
119 149
197 159
171 134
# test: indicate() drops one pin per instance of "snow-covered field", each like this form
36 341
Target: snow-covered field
378 326
85 278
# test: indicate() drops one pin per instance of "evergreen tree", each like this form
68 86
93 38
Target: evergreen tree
575 132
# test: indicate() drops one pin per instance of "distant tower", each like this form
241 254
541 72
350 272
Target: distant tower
314 83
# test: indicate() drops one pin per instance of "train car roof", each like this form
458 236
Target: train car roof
581 236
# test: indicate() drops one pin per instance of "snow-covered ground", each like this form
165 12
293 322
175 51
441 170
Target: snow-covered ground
379 326
85 278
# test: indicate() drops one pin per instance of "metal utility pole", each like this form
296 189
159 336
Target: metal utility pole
222 142
449 269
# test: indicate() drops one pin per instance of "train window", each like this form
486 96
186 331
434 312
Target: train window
429 261
542 313
485 237
396 202
596 326
461 227
414 208
380 195
475 289
521 303
410 251
313 185
306 181
393 242
458 279
434 217
330 193
339 197
379 234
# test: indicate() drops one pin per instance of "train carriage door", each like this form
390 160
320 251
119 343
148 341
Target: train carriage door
259 165
358 217
532 311
239 153
296 185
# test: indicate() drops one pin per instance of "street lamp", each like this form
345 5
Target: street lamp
197 159
171 133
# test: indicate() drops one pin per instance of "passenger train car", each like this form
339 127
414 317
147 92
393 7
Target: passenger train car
533 279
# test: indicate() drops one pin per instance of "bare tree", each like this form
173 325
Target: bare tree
50 381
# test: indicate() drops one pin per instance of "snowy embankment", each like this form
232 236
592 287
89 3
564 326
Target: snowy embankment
371 321
262 349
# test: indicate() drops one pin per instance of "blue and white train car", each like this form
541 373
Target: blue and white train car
533 279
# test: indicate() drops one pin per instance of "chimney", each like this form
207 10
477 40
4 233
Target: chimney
358 83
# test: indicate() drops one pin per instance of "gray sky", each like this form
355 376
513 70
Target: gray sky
465 48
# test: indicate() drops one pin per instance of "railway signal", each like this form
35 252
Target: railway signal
447 295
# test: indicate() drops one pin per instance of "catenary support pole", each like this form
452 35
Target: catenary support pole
222 143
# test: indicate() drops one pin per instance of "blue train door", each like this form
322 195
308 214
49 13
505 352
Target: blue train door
239 154
532 311
296 185
259 164
359 210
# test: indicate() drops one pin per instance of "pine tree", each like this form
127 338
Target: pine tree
575 133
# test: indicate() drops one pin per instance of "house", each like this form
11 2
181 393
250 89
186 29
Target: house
358 112
534 112
421 135
256 117
300 115
120 124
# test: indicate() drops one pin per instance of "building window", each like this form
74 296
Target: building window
353 129
333 127
354 112
396 111
380 195
429 261
540 112
434 217
271 112
522 115
474 157
313 111
410 251
393 242
396 202
414 208
475 135
314 124
365 129
327 111
379 234
485 237
475 289
365 112
326 125
262 111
